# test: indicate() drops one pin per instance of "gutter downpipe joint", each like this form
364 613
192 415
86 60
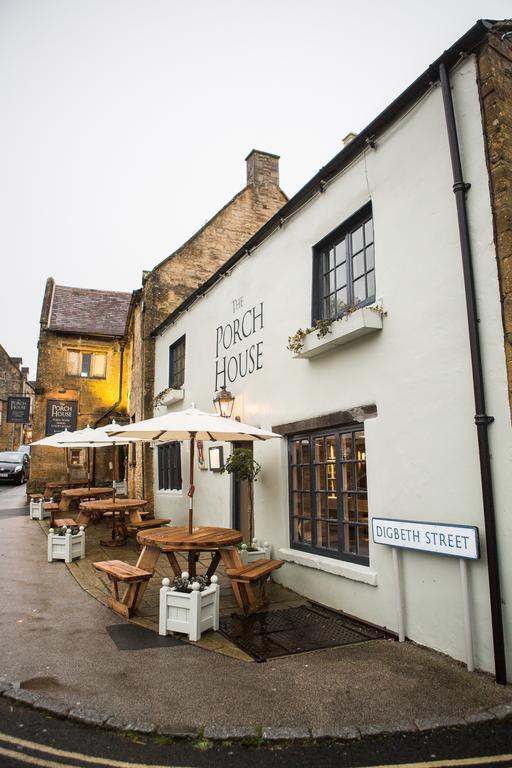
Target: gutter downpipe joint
482 420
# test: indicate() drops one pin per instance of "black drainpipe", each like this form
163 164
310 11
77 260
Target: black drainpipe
482 420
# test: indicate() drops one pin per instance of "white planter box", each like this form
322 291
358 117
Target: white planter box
359 323
37 510
68 547
262 552
190 613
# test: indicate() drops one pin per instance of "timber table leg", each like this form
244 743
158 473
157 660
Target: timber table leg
213 565
243 592
174 563
148 559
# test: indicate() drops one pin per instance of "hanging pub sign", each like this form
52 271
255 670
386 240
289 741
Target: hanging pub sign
18 410
60 415
438 538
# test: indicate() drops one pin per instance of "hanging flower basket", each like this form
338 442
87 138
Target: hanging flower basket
189 607
66 544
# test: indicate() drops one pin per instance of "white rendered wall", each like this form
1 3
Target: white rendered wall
422 455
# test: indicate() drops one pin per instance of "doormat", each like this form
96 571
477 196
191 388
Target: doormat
295 630
131 637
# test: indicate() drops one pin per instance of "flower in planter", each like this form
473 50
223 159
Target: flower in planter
185 583
62 530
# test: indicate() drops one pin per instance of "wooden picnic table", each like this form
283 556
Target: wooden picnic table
57 485
70 495
170 540
118 509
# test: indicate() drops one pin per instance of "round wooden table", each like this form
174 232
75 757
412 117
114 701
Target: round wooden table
204 538
118 508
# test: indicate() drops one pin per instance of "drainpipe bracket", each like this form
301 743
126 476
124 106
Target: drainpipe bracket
459 186
482 418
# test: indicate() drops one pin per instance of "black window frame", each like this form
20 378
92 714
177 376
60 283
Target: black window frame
177 364
169 467
341 493
342 233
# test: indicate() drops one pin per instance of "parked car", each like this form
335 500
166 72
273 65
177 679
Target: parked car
24 449
14 466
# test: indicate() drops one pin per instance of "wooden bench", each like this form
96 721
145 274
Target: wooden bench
144 525
117 571
258 572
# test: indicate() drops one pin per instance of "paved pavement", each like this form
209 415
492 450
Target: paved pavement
56 653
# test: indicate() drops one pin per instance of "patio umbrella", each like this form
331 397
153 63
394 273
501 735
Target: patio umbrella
193 424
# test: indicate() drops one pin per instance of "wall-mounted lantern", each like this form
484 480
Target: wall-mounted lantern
224 402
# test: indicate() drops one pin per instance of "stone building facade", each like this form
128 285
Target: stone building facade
82 377
168 284
13 381
495 74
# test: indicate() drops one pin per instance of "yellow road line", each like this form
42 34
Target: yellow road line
33 760
70 755
458 762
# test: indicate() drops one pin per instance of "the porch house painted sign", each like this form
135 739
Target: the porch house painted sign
439 538
238 353
60 415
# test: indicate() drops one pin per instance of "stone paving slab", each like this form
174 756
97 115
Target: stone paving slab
56 655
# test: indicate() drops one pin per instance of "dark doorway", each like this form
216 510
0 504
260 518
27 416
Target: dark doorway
240 498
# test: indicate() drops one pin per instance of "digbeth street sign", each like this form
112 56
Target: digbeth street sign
18 410
60 415
454 540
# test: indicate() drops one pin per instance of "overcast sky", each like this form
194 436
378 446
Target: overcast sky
125 123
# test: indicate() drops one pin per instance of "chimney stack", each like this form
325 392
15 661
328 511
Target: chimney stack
262 169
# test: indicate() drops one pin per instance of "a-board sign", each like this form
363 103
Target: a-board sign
60 415
18 410
439 538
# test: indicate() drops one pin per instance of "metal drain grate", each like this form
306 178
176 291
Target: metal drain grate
132 637
295 630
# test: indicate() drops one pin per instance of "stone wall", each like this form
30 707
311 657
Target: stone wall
96 398
495 73
12 382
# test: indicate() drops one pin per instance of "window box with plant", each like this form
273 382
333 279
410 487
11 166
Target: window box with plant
344 305
66 544
190 606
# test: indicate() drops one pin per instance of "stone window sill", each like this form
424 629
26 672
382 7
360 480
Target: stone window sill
362 322
330 565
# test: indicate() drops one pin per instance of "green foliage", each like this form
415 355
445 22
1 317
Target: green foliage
242 463
184 583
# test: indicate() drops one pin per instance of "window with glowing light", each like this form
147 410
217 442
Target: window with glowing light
328 494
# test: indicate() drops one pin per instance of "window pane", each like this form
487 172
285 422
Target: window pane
368 232
341 301
341 252
341 275
358 265
99 365
348 478
362 507
333 536
332 258
306 502
321 505
371 283
360 446
73 363
357 240
346 446
297 529
305 451
320 479
306 485
307 531
370 260
321 534
296 504
361 475
349 507
350 544
86 364
363 548
319 449
359 290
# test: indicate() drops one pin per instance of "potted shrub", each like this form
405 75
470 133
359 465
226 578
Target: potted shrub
190 605
242 463
66 544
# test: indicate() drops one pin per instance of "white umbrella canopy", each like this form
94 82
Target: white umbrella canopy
193 424
52 441
183 424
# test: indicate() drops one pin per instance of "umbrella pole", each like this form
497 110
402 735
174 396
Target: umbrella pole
88 468
191 488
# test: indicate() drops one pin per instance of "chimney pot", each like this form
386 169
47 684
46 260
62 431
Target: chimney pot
348 138
262 169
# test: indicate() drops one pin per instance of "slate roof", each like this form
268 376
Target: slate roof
88 311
